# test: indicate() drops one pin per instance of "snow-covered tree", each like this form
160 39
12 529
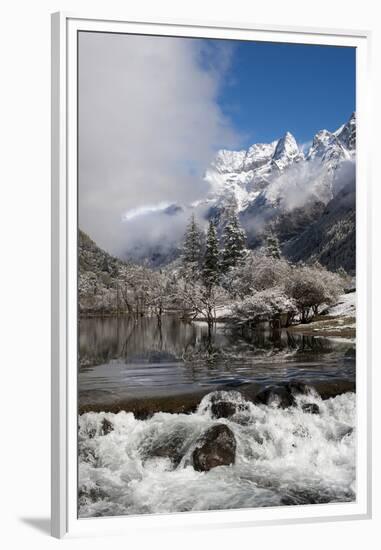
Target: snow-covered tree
160 293
267 305
210 268
272 246
198 301
257 272
134 285
311 287
234 244
192 248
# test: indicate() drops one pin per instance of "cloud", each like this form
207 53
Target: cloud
310 181
301 185
345 175
149 124
143 210
155 232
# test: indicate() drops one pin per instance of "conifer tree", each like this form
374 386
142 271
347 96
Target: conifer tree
191 256
192 242
234 240
210 272
272 246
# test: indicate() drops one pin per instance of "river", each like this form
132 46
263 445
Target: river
154 385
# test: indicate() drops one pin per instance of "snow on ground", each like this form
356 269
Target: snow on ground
345 307
224 311
336 321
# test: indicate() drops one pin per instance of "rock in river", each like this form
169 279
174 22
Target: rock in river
170 447
228 405
223 409
281 395
311 408
216 447
107 427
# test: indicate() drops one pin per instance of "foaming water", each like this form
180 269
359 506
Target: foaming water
283 457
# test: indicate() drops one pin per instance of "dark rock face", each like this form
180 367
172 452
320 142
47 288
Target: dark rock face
233 407
216 447
171 448
298 387
283 395
311 408
107 427
223 409
279 394
331 238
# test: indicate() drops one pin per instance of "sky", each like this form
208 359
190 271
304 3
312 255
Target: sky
273 87
153 112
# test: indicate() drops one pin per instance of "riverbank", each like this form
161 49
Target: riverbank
330 326
187 402
336 321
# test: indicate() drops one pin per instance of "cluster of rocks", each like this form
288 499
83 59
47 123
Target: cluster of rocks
285 396
217 445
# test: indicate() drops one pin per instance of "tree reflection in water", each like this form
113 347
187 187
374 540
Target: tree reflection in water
104 340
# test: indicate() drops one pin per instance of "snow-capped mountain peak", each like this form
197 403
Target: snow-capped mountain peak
272 183
228 161
346 134
287 152
244 174
322 141
338 145
258 154
265 171
287 144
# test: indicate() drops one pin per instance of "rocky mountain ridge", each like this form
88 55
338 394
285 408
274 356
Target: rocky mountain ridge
279 187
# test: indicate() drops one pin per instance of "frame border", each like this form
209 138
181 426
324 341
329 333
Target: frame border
61 523
59 422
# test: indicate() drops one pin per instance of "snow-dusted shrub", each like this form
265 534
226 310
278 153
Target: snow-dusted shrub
258 272
265 305
198 301
311 287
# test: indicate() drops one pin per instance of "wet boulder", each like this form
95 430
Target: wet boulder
171 444
296 388
281 395
216 447
106 427
223 409
228 405
171 447
311 408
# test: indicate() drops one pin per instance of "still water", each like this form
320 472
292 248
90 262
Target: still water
141 358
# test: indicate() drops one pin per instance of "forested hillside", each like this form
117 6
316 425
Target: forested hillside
216 276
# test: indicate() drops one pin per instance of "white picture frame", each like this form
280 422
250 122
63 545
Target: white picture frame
64 278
